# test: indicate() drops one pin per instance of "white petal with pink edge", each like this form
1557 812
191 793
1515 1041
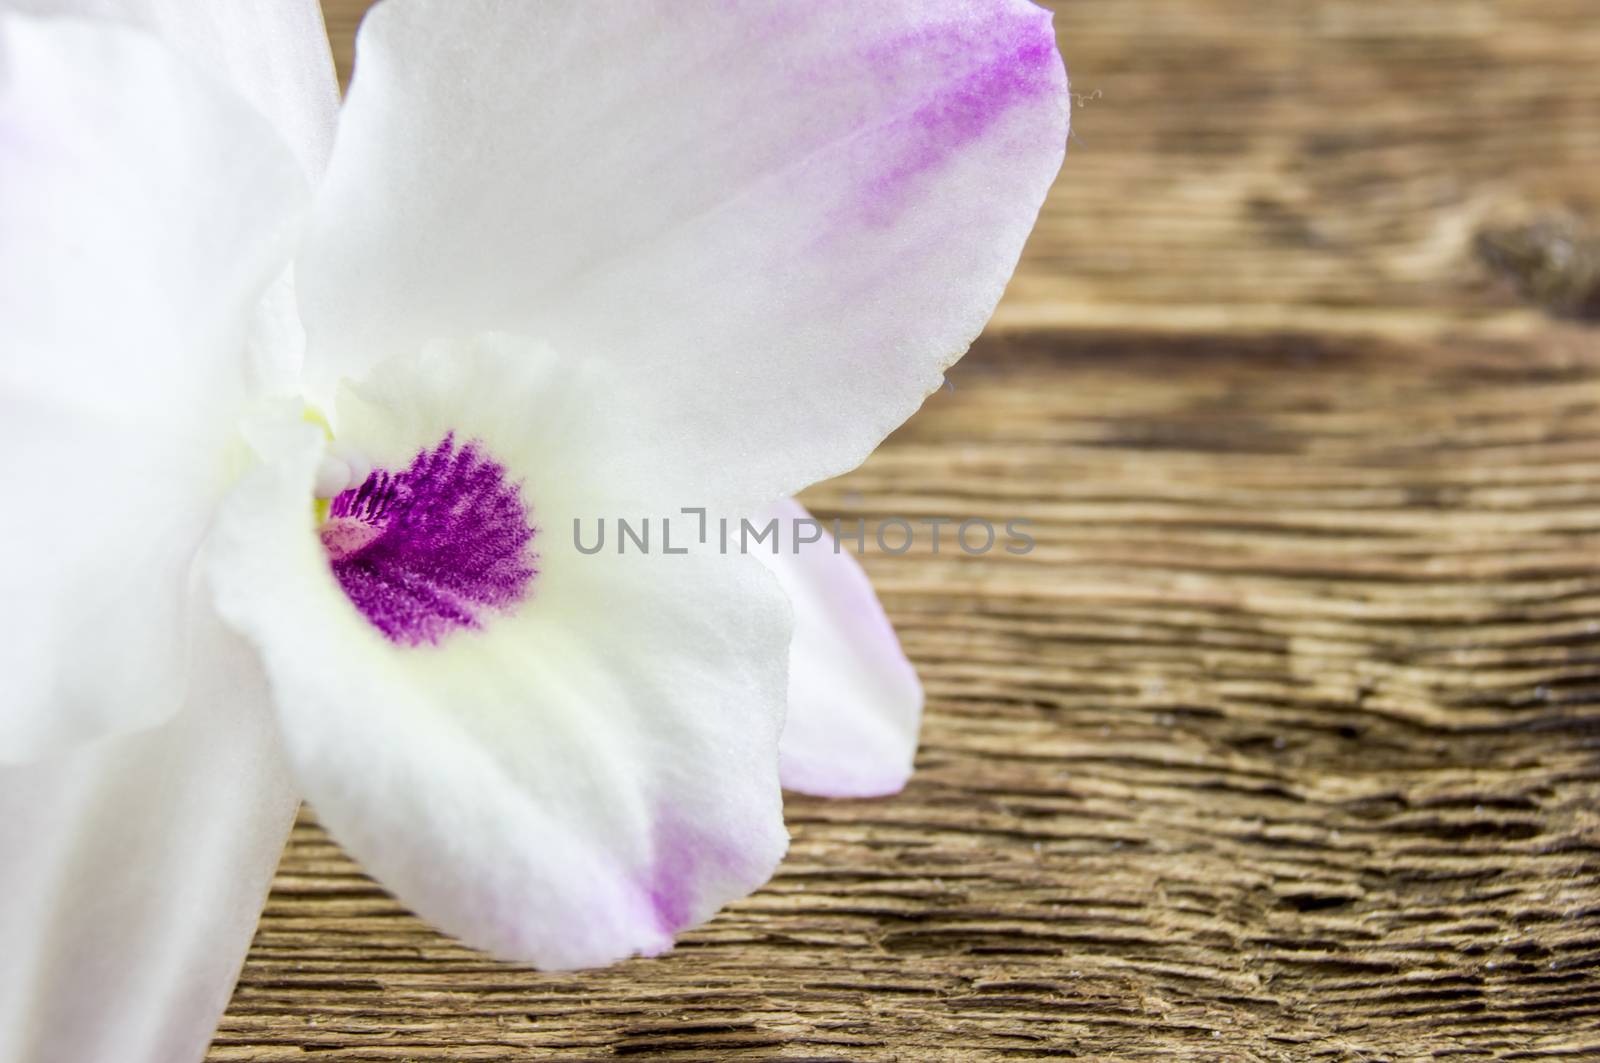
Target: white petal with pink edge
780 222
855 704
565 774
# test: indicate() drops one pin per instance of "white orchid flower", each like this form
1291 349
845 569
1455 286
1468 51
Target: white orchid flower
564 261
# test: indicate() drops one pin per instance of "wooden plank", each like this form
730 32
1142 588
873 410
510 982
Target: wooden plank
1282 743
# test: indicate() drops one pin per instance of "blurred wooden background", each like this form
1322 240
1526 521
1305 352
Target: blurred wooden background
1285 742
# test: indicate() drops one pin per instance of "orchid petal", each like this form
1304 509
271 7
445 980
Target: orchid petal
145 212
566 777
274 53
133 870
780 222
854 701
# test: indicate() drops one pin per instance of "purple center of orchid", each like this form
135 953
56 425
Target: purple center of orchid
434 547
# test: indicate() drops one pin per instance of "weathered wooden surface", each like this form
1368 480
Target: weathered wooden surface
1285 743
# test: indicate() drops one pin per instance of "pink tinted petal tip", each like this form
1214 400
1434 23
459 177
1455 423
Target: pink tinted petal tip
1010 61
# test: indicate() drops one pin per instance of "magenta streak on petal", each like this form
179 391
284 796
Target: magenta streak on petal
1009 61
670 890
431 549
685 860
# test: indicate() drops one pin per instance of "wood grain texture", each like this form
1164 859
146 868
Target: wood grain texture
1285 742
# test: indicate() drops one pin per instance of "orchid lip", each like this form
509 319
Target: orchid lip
438 546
